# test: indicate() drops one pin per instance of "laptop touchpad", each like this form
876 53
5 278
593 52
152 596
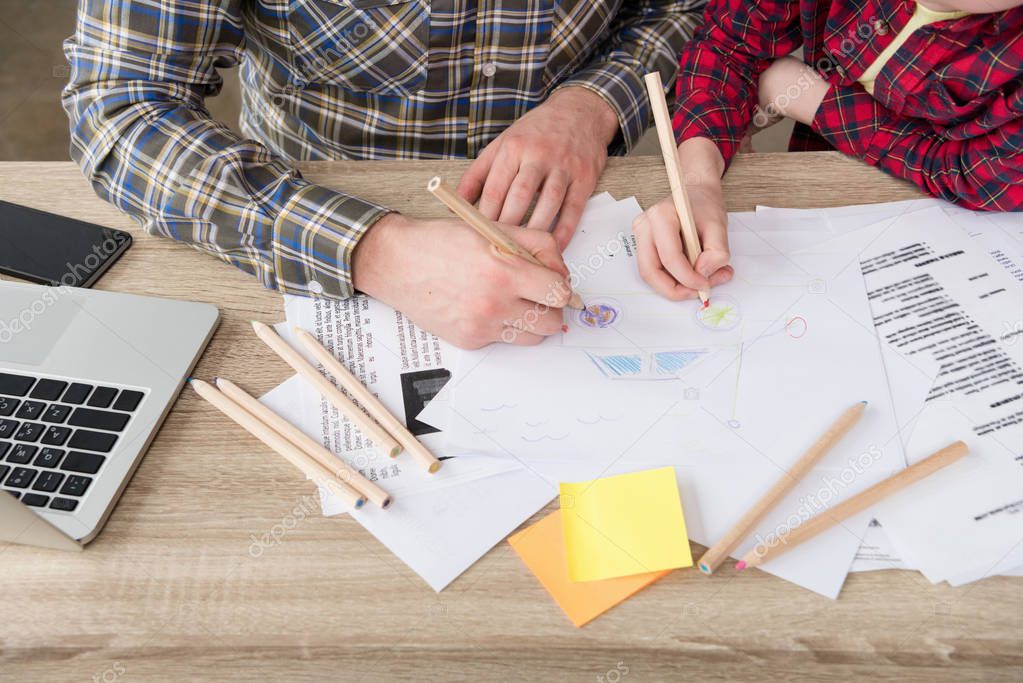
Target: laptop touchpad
32 320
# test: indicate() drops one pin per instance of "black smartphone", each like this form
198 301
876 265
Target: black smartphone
54 250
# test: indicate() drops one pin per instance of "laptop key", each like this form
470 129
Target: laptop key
89 463
35 499
98 419
15 385
56 413
4 469
55 436
30 410
92 441
48 389
20 478
16 494
49 457
48 481
4 447
7 428
128 401
77 393
21 454
76 485
65 504
8 405
29 431
102 397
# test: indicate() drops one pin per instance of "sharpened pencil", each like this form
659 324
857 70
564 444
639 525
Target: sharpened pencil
744 527
280 445
775 545
485 227
666 137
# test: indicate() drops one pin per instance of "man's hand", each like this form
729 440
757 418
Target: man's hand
452 282
791 88
557 150
659 252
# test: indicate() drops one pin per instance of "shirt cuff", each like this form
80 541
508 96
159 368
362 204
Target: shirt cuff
315 235
854 122
622 88
700 114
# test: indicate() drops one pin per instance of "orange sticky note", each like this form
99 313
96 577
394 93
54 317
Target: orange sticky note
542 548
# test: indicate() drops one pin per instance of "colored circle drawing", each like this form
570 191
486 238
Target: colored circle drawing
796 327
599 315
721 314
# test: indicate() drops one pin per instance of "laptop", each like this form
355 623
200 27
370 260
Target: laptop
86 379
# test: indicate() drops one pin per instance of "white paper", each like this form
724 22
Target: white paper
800 343
935 292
439 534
401 364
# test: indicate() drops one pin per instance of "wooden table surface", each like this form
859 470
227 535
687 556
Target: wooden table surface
170 591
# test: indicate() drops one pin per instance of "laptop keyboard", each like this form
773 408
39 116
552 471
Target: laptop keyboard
55 436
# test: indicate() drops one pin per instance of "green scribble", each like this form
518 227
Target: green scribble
717 315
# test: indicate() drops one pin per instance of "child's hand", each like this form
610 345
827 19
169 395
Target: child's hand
659 251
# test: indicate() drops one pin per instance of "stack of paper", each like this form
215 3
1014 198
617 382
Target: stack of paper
730 395
946 292
912 306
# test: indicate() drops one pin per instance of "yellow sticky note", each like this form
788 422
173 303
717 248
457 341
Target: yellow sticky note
542 548
623 525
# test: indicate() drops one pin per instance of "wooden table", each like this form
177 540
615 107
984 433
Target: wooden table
169 590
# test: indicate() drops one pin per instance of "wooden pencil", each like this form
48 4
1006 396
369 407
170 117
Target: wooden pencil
368 401
775 545
310 446
485 227
744 527
289 451
666 137
376 434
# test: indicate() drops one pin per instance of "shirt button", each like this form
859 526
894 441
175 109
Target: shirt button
881 27
315 287
489 69
840 71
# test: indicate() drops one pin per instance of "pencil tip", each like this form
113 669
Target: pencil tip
564 328
706 303
705 568
740 565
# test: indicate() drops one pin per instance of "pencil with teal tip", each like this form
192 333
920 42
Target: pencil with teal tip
745 526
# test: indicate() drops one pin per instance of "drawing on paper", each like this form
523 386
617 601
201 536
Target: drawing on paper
599 314
722 314
644 365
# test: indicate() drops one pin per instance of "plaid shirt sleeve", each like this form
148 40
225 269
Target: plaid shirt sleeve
984 173
140 131
721 67
646 36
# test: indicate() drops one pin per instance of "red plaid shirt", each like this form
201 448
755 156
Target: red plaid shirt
947 109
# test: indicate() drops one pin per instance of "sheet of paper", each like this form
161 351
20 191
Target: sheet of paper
296 401
441 533
404 366
935 292
542 548
798 340
624 525
876 552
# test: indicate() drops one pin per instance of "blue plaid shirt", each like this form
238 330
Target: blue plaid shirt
328 79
